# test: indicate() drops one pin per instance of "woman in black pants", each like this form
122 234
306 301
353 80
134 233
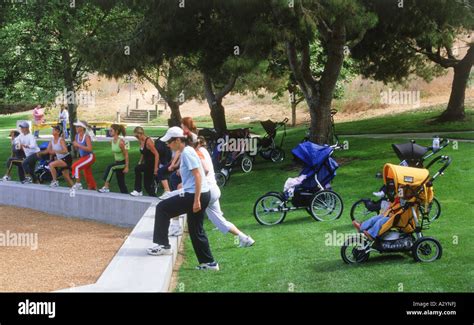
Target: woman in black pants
193 201
148 164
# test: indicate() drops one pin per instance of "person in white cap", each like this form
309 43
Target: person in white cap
30 148
83 143
193 201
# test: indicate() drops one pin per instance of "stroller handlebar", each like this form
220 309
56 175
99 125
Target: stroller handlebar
443 159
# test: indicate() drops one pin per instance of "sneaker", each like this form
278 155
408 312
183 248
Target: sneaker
27 180
214 266
246 241
77 186
103 190
159 250
54 184
6 178
379 194
175 231
136 193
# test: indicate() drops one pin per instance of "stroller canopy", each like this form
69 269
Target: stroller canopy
316 160
411 152
405 175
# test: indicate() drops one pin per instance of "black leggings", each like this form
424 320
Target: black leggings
116 167
175 206
147 169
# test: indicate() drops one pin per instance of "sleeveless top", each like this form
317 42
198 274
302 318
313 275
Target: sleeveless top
148 157
117 151
83 142
57 147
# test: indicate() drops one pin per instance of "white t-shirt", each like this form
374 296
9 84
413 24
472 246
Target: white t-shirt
211 178
64 115
30 141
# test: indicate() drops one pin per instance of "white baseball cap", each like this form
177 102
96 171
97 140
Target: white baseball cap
173 132
81 124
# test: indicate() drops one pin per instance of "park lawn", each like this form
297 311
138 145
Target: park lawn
414 121
294 256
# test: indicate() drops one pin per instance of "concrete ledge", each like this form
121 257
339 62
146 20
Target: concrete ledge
111 208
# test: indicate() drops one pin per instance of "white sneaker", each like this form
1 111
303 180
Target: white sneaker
159 250
246 241
175 230
6 178
103 190
54 184
214 266
77 186
136 193
27 180
379 194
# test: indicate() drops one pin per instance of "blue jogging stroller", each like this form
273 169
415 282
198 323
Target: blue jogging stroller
311 190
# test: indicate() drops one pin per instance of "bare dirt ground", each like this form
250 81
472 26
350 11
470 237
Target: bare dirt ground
69 252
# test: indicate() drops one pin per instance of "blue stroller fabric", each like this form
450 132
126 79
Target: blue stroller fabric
317 160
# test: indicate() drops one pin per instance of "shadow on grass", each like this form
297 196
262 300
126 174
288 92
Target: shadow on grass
337 265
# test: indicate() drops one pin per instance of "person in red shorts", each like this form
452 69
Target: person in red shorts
83 144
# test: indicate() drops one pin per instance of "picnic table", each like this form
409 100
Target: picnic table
95 125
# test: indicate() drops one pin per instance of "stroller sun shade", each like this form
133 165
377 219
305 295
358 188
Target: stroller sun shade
411 152
269 127
316 160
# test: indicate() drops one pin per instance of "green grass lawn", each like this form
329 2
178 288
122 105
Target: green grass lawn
294 256
421 120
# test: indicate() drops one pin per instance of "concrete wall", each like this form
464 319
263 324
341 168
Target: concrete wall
111 208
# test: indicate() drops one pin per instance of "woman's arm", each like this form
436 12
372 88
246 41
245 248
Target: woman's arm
197 190
125 153
174 161
88 146
63 147
151 146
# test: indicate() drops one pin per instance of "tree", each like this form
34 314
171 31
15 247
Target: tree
418 37
338 25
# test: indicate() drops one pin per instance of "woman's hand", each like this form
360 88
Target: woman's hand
75 144
125 170
196 206
155 172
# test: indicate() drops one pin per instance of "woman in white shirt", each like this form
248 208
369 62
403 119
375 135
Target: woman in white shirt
213 210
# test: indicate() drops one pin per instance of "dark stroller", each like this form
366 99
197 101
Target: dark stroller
228 154
410 154
267 146
311 190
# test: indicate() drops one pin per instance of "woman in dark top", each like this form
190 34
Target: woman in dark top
148 164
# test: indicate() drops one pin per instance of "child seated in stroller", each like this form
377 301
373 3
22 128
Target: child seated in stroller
16 158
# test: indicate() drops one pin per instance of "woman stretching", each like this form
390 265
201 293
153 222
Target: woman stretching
148 164
83 143
120 166
193 201
63 160
213 211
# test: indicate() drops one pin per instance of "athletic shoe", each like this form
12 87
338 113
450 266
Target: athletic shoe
246 241
159 250
175 230
6 178
214 266
77 186
379 194
27 180
103 190
136 193
54 184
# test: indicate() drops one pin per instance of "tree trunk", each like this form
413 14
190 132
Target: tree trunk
215 102
293 113
218 117
70 95
455 109
175 117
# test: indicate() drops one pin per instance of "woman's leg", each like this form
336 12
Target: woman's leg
148 179
215 215
76 168
108 173
121 180
56 164
197 232
139 169
67 177
165 210
91 184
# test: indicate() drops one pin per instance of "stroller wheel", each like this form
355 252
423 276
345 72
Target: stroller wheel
433 212
427 249
326 206
221 179
277 155
268 209
246 164
360 212
355 249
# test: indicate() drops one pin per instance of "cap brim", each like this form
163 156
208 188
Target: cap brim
165 138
